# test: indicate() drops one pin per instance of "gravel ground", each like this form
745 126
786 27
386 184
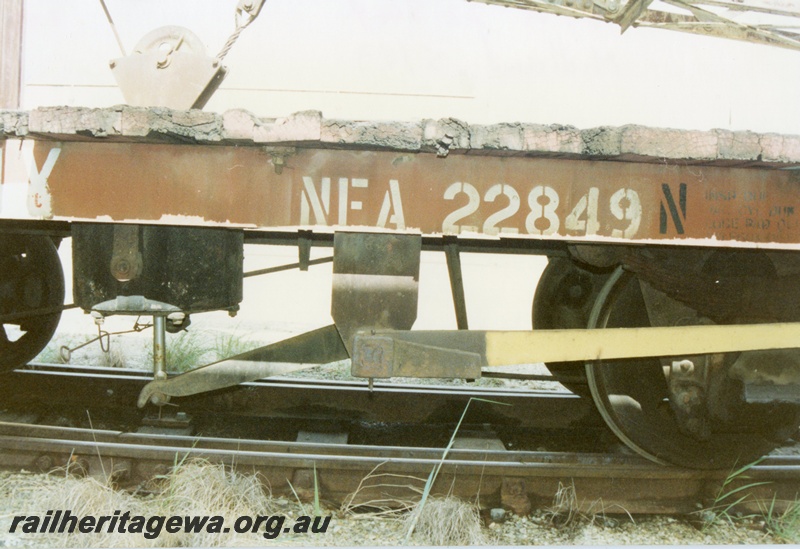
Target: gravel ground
25 493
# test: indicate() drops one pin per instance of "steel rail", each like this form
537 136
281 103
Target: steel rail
117 389
620 483
514 478
136 374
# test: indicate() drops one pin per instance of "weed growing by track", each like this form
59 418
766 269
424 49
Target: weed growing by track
187 350
227 345
383 495
197 486
785 526
728 498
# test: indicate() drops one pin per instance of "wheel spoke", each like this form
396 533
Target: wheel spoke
633 398
564 298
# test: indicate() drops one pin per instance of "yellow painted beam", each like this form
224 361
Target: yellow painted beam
568 345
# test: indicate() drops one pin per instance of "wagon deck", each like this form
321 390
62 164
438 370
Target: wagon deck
439 177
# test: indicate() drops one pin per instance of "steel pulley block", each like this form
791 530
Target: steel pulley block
169 67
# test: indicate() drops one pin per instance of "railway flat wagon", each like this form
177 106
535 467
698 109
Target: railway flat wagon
671 295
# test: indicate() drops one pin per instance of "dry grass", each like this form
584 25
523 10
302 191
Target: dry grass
36 494
449 521
564 513
434 520
383 495
200 488
569 515
115 357
192 489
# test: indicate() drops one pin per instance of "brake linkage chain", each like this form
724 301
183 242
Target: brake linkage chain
103 337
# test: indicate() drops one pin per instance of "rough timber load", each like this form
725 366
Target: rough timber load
670 297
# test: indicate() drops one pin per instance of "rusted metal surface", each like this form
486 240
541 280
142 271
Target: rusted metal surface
453 258
627 184
580 200
620 482
295 353
375 282
189 268
114 389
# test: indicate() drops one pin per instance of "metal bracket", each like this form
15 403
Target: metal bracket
303 249
134 305
126 259
375 282
279 156
375 356
453 257
247 10
296 353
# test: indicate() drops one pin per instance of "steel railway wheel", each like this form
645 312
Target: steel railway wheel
564 298
31 281
633 398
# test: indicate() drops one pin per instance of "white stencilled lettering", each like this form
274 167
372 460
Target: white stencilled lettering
39 200
394 205
450 224
310 200
315 203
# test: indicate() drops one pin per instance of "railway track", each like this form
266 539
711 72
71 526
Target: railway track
71 431
51 385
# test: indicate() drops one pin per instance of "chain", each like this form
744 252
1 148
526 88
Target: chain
103 337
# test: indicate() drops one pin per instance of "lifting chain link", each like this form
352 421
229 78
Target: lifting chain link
103 337
246 13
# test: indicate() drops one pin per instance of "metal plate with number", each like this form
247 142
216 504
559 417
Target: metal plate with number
582 200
